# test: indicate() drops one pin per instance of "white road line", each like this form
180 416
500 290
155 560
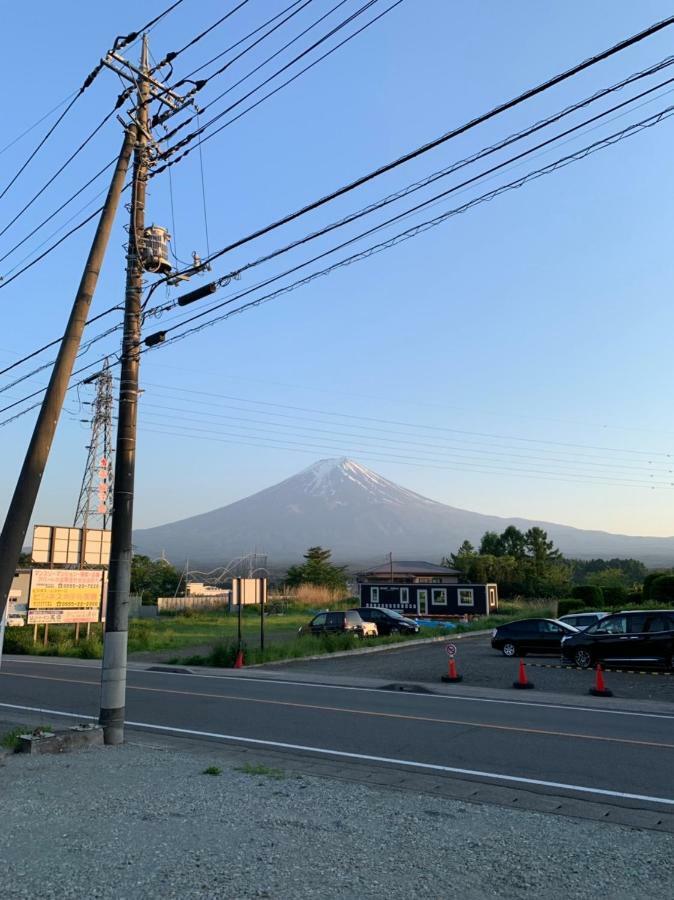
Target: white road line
372 690
452 770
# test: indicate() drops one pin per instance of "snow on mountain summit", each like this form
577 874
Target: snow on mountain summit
328 478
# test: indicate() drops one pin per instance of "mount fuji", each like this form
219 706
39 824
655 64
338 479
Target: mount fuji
361 517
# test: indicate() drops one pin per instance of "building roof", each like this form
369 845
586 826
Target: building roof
410 567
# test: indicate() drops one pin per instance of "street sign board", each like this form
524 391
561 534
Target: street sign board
65 595
450 649
61 545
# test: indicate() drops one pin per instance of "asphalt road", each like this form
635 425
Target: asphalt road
621 756
481 666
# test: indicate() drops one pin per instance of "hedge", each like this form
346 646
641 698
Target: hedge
662 589
590 594
569 605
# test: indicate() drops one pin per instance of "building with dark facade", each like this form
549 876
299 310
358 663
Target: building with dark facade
416 588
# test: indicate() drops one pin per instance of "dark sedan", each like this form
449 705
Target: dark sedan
644 637
531 636
388 621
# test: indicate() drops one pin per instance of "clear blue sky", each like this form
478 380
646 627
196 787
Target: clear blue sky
538 326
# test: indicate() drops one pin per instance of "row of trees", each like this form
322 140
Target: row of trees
525 563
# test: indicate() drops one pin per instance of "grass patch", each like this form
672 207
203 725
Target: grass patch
212 770
260 769
10 740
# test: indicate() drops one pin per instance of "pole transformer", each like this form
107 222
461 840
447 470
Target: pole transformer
113 675
28 484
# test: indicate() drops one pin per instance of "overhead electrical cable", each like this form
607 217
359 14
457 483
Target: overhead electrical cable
411 232
450 135
174 54
238 43
402 438
190 137
391 198
61 168
36 123
123 40
445 429
385 456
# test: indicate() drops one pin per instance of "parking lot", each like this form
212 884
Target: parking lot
481 666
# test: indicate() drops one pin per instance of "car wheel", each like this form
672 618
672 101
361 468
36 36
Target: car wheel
582 658
509 649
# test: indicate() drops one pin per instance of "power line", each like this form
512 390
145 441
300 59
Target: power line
190 137
401 437
239 42
416 462
408 233
419 425
37 122
123 40
473 123
391 198
174 54
411 232
61 168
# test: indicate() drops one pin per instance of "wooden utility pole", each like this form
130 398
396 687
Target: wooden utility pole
27 487
113 675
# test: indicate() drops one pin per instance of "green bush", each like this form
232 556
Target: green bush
615 596
650 578
662 589
590 594
569 605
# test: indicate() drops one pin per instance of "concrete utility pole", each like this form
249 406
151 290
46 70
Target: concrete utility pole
113 675
27 487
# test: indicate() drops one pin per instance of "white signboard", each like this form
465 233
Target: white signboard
62 546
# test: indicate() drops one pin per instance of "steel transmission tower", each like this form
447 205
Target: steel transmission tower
95 500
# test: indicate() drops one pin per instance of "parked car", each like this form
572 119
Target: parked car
645 637
531 636
388 621
339 623
582 620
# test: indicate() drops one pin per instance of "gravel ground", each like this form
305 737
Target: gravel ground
141 822
481 666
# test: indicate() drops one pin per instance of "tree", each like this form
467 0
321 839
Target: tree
491 545
610 578
539 547
649 581
153 578
317 570
513 542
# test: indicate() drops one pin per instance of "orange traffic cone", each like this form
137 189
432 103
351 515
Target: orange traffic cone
600 689
522 682
452 675
238 662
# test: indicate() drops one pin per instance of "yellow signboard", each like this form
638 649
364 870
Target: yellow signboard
53 589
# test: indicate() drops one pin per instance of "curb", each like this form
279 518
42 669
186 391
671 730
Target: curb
403 645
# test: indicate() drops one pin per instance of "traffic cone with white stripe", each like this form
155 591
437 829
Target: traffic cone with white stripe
522 682
600 689
452 675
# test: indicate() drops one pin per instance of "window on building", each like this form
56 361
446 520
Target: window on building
492 597
374 595
439 596
466 597
404 596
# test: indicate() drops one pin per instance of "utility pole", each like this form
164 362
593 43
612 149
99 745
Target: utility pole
27 487
113 675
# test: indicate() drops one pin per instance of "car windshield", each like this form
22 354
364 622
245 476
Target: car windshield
394 614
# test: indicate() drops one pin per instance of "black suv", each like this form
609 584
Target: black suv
531 636
388 621
644 637
338 623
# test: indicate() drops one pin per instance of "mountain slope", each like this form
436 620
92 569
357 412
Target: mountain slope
360 516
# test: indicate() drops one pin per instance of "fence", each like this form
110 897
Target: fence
180 604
